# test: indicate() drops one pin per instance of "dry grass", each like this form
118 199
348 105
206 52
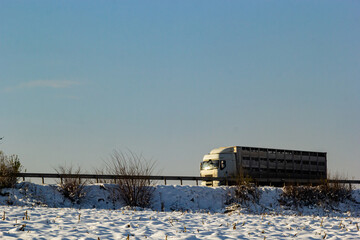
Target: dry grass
72 188
9 167
134 192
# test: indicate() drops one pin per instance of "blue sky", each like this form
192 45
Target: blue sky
174 79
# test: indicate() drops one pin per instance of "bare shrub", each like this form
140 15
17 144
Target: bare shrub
337 191
135 192
324 194
72 188
246 190
9 167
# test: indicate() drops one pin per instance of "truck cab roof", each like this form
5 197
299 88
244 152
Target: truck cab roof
223 150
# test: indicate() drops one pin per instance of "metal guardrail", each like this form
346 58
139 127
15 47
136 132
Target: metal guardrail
98 177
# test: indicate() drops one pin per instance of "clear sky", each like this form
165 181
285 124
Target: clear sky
174 79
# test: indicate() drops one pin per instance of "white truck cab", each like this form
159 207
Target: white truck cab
220 162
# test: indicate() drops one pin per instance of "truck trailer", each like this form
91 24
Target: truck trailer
262 164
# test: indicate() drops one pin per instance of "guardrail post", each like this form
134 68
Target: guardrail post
97 180
23 179
197 182
165 181
180 181
61 180
42 180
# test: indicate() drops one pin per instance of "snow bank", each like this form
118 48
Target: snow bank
190 198
174 198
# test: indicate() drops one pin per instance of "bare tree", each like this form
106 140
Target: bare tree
135 192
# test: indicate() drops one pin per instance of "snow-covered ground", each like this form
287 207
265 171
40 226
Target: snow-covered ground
177 212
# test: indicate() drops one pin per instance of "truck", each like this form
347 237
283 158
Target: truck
262 164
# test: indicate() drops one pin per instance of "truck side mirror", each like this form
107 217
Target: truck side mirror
222 164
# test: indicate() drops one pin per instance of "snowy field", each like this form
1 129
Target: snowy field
177 212
70 223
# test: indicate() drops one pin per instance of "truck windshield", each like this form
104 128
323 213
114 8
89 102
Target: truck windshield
211 164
